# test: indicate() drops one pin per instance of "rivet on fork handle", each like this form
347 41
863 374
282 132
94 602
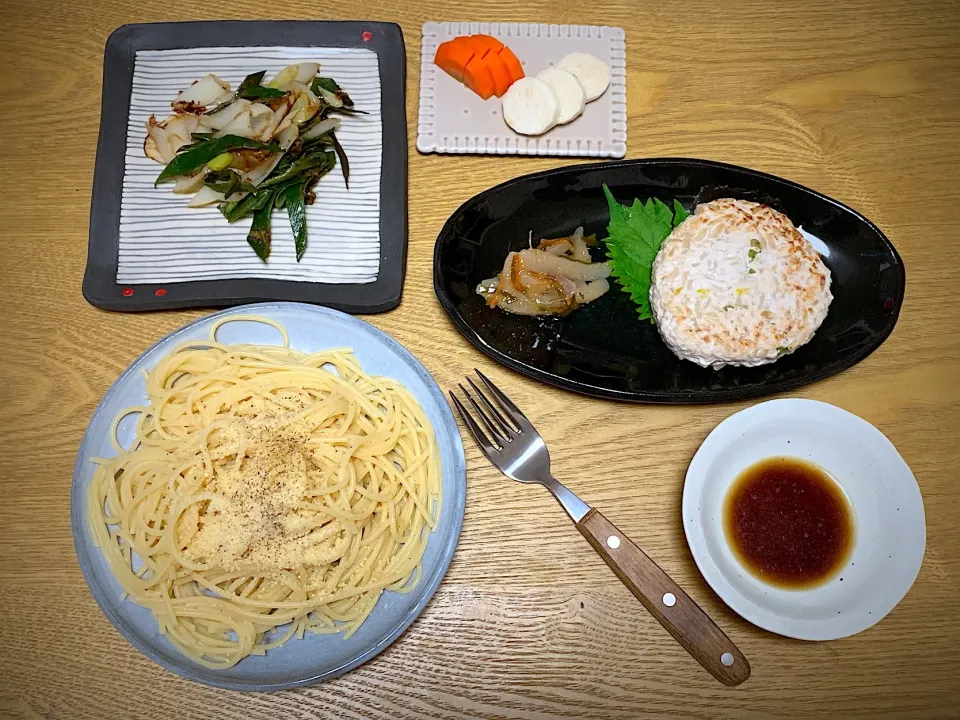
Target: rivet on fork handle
666 601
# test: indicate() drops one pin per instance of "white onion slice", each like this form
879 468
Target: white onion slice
284 79
207 91
189 184
262 171
324 126
222 118
330 98
307 71
205 196
157 143
180 129
262 119
580 252
151 148
287 136
240 125
313 102
539 261
592 290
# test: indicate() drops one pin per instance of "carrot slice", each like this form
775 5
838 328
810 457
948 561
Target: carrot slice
453 55
513 65
489 42
479 47
479 78
502 79
481 62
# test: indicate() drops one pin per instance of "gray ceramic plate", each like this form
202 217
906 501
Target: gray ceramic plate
316 657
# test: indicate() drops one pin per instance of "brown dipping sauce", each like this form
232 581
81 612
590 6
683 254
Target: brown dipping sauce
788 523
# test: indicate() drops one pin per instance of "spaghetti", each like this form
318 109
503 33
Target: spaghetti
268 493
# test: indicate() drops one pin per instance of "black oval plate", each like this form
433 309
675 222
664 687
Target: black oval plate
603 349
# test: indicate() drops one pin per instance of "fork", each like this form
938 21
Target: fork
513 445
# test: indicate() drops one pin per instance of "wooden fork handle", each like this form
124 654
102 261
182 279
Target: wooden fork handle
675 610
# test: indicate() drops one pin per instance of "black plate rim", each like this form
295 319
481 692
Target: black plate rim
100 286
639 396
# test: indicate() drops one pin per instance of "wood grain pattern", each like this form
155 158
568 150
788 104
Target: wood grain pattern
665 600
859 100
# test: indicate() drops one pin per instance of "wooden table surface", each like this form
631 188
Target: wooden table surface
859 100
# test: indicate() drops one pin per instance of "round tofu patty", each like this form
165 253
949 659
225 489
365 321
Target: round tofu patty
737 284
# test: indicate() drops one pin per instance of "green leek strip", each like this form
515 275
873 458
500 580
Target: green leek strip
295 202
259 236
193 159
344 163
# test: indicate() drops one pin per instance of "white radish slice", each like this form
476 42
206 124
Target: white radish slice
530 107
569 92
591 71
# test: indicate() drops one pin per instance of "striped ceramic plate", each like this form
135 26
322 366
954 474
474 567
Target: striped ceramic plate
147 249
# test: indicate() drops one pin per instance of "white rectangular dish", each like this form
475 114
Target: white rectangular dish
454 119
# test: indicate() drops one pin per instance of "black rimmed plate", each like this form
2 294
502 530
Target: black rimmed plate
602 349
148 251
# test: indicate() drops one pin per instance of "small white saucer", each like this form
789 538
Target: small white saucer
888 515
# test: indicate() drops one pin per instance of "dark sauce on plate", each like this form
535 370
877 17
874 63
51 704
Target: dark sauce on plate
788 523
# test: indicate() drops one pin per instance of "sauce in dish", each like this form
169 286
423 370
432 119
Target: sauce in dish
788 523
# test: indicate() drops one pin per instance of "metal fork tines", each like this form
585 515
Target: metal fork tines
511 442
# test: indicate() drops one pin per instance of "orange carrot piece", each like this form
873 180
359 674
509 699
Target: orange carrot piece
512 63
452 57
502 79
479 47
481 62
478 78
489 42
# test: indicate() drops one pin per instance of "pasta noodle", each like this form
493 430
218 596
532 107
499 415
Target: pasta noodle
268 493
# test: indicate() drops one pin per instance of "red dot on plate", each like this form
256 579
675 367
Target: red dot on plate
127 291
367 36
160 292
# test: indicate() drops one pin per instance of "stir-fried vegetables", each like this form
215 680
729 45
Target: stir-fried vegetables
554 278
251 151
